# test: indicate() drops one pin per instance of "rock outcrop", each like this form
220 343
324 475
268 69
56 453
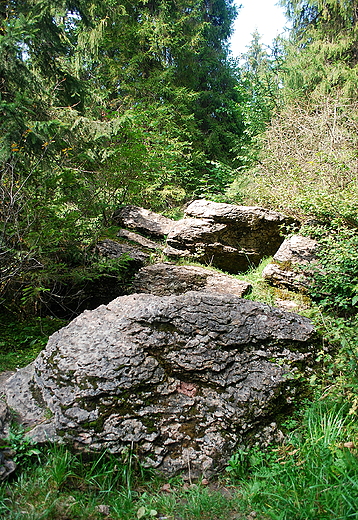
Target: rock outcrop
112 249
140 240
184 379
286 271
164 279
144 221
7 465
232 238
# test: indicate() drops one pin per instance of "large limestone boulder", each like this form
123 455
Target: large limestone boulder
164 279
232 238
291 263
183 380
144 221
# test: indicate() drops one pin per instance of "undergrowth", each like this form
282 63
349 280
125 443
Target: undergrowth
79 487
311 475
21 340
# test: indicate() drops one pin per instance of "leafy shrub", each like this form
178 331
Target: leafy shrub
335 277
25 450
338 378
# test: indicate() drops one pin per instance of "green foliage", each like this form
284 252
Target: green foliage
337 377
86 486
238 464
64 465
105 104
312 476
325 31
305 163
308 162
21 340
334 279
25 449
215 181
258 98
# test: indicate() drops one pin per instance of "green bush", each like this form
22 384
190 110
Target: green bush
335 277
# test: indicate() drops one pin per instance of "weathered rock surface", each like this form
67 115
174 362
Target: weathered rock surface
183 378
3 414
144 221
7 465
142 241
298 250
232 238
113 249
222 212
284 272
164 279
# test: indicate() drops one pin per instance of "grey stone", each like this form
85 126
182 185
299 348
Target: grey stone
232 238
284 277
103 509
142 241
288 305
3 414
297 249
144 221
164 279
3 377
113 249
222 212
286 272
184 379
7 466
27 403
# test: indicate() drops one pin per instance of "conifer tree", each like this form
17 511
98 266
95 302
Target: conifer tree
258 97
103 104
322 56
170 58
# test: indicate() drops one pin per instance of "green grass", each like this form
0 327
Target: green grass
68 486
261 290
313 475
21 340
266 293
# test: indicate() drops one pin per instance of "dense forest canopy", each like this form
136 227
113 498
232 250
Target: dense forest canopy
109 103
105 103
